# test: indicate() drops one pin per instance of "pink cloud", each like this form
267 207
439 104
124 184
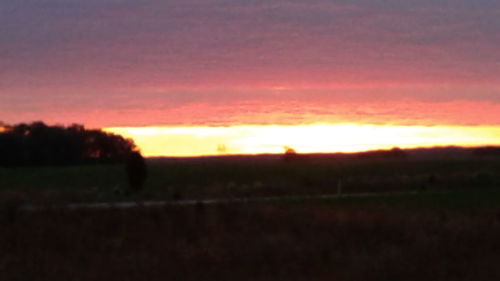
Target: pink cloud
284 113
192 61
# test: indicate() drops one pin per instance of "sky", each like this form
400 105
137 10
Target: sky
230 63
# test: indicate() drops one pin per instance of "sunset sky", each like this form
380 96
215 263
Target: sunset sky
183 77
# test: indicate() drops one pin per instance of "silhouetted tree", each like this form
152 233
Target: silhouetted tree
38 144
136 171
290 154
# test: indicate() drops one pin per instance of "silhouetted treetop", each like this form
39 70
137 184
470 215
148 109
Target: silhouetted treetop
290 154
39 144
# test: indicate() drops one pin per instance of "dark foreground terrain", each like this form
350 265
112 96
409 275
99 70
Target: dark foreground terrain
446 228
419 237
254 176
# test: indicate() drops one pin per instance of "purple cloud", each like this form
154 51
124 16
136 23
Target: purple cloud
135 55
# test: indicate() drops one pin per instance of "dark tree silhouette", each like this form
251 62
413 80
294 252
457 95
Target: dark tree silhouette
37 144
136 171
290 154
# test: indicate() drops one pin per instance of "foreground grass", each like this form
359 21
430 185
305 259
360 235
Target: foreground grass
246 177
448 230
309 240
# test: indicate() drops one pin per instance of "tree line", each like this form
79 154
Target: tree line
37 144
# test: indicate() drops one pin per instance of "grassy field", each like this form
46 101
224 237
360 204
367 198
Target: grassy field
245 177
308 240
448 230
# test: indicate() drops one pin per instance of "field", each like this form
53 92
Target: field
448 230
229 177
326 240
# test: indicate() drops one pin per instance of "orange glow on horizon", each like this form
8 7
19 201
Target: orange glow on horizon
314 138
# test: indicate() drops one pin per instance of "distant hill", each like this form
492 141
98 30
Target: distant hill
445 152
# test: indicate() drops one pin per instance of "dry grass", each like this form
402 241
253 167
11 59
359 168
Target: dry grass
302 241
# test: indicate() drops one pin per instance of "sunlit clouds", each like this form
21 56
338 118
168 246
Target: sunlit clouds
72 60
242 64
265 112
195 141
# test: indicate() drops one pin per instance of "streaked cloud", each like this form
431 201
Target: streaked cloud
128 62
